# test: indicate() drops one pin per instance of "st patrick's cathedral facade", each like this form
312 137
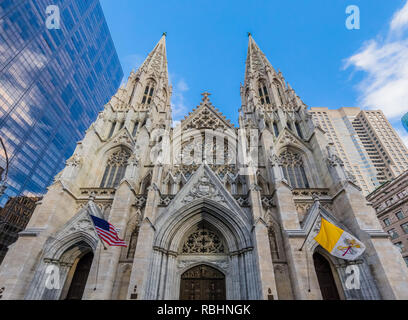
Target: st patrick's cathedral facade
207 210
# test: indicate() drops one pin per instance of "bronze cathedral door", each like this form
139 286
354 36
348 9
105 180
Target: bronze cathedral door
202 283
325 278
77 287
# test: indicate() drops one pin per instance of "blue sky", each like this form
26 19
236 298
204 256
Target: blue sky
327 64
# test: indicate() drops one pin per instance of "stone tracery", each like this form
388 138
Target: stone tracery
203 241
115 168
293 169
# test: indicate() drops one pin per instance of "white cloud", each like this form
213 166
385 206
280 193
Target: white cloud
182 85
403 135
385 62
178 104
400 19
129 63
133 61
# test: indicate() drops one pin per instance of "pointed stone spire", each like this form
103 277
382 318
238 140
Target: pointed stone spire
256 60
156 61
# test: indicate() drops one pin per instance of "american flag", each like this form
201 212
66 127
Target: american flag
107 232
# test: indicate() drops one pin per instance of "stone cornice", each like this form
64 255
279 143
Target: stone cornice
31 232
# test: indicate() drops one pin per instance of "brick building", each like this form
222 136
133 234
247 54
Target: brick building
14 218
391 204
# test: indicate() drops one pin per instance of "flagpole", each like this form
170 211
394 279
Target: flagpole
103 244
316 199
91 199
97 268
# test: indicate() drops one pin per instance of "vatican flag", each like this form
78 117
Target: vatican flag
338 242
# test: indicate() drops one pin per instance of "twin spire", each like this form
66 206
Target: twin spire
256 61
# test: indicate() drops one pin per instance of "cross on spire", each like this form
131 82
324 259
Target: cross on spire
206 95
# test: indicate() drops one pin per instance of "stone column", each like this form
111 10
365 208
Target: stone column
263 252
144 249
301 268
170 280
109 259
237 293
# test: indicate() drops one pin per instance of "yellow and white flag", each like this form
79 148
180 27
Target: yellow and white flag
338 242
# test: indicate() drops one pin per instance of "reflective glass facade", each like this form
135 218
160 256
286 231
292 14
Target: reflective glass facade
53 83
405 121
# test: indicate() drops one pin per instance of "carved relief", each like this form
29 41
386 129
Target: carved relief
74 161
82 225
204 188
123 138
185 263
119 158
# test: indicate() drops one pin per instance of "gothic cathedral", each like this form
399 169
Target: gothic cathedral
208 210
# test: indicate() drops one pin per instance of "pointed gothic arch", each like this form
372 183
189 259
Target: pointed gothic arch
76 283
326 276
175 228
64 255
149 91
115 167
262 183
293 158
145 183
294 169
263 92
279 88
131 235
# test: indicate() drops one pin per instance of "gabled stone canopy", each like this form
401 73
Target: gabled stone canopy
205 116
204 184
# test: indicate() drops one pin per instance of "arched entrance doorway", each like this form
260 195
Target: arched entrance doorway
202 283
77 287
325 277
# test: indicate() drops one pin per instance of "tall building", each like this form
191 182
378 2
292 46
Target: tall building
367 143
53 83
405 121
208 210
390 201
14 218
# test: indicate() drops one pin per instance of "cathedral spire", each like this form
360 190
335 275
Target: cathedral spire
156 62
256 62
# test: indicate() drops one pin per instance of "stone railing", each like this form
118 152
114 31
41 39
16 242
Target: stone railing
140 200
106 193
165 199
310 193
242 199
267 201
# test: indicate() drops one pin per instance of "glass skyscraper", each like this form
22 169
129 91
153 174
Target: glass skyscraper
405 121
53 83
